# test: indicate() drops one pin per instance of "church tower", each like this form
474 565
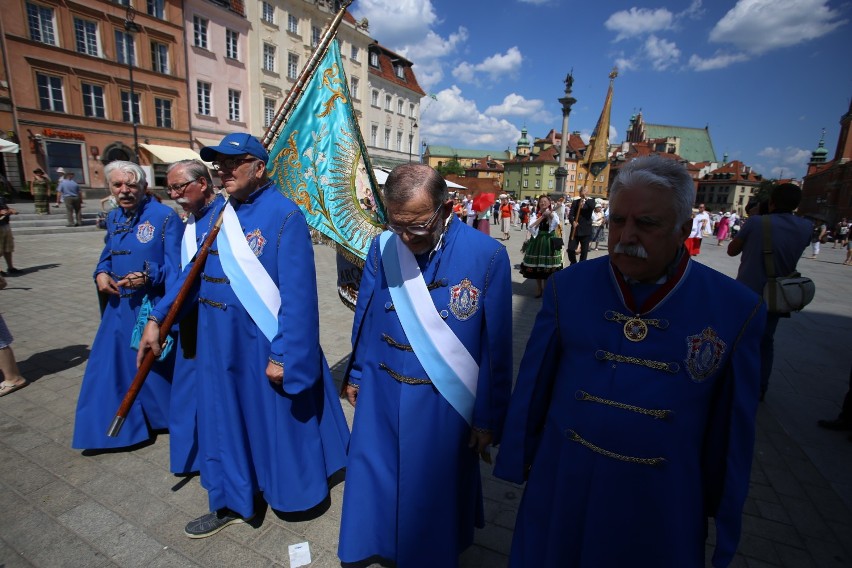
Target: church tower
819 155
522 150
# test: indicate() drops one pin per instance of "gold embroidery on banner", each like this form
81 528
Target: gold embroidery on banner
583 395
658 365
331 80
635 327
402 378
575 437
393 343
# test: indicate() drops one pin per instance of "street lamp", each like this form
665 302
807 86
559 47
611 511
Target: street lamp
411 139
131 27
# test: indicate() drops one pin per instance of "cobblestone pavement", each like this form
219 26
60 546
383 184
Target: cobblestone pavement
59 508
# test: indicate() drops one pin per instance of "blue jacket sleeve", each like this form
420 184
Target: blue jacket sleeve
166 273
531 398
495 362
730 440
296 345
365 294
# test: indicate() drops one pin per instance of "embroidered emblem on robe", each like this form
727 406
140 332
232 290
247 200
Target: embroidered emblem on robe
256 242
464 299
145 232
703 355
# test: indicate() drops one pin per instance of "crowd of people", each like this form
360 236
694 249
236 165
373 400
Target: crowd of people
629 431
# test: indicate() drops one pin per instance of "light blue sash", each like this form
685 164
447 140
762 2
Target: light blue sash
189 244
249 280
443 356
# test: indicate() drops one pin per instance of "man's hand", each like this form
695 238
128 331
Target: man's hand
275 373
352 394
133 280
106 284
479 442
150 341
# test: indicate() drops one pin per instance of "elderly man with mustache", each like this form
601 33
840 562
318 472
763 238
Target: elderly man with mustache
140 259
632 419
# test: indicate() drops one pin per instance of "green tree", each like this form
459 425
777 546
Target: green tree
451 167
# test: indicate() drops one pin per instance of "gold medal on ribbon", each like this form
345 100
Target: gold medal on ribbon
635 329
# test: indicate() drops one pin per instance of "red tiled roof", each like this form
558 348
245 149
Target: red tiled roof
347 17
386 69
737 170
482 165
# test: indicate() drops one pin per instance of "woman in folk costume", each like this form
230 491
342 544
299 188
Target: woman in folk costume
541 258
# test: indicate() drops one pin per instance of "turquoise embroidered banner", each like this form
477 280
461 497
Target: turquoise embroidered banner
319 161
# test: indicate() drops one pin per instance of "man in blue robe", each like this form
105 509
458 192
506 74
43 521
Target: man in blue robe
632 419
140 259
190 185
430 373
269 420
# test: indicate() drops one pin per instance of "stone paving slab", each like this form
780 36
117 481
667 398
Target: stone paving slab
60 508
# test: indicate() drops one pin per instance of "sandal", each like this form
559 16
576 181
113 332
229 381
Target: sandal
9 389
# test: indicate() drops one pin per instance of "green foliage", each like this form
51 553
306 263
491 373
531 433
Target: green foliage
451 167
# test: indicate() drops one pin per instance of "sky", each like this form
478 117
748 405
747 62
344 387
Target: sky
766 76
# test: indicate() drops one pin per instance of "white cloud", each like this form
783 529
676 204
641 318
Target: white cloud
718 61
784 162
639 21
693 12
759 26
662 53
625 64
453 119
496 66
405 26
515 105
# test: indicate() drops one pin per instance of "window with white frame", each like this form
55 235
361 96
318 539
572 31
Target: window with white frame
537 183
86 35
387 138
199 32
400 71
399 141
292 24
374 135
552 169
156 8
267 12
526 170
550 184
400 104
163 110
50 92
42 28
374 59
125 48
159 57
268 111
93 100
315 36
203 95
129 114
232 44
538 170
388 102
234 105
292 65
374 98
353 88
526 183
411 110
353 53
268 57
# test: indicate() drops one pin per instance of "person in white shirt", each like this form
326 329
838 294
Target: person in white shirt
700 226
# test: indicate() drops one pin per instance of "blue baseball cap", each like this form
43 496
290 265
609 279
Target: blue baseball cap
234 145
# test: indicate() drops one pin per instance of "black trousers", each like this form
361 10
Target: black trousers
584 248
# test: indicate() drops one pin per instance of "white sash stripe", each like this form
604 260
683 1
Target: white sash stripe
446 360
189 244
250 282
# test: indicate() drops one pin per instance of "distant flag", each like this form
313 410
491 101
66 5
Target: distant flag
319 160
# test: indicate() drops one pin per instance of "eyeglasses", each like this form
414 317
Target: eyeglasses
418 230
179 188
231 163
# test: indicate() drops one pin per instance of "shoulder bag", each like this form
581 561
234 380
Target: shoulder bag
783 294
